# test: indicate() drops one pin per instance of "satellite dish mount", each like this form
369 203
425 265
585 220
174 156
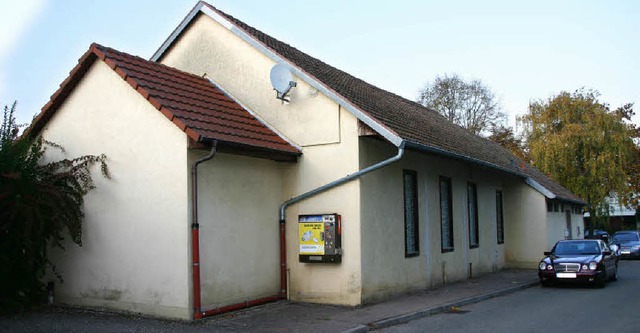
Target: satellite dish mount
282 81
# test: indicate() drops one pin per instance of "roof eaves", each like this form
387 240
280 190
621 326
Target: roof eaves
538 187
167 112
528 179
58 97
178 30
213 13
255 115
442 152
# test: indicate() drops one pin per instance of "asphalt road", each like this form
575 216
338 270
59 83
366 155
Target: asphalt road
614 309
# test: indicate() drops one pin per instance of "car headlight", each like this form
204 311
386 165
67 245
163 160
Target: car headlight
585 267
542 266
636 247
593 265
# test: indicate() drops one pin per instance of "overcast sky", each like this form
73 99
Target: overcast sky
523 50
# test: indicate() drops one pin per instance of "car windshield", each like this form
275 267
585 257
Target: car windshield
576 248
626 237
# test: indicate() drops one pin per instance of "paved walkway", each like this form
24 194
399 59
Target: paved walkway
287 316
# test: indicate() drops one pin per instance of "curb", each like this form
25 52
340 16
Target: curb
405 318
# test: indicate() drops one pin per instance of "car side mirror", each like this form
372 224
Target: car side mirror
606 253
547 253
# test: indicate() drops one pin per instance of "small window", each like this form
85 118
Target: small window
549 206
472 209
499 217
556 207
411 240
446 215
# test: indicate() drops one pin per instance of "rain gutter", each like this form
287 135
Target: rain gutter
314 192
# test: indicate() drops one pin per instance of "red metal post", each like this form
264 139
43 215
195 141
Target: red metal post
195 258
238 306
283 261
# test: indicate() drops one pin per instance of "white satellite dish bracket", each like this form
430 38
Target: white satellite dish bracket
283 95
282 81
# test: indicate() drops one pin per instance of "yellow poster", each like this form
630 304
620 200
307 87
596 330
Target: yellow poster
311 240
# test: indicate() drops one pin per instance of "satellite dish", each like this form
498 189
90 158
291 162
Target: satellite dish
281 80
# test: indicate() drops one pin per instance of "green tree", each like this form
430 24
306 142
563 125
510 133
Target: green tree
631 199
39 203
471 105
582 144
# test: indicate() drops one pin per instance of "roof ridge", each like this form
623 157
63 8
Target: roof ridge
236 20
405 118
146 63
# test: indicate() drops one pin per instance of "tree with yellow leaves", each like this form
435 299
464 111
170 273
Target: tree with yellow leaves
585 146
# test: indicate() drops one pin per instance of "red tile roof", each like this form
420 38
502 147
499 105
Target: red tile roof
191 102
422 127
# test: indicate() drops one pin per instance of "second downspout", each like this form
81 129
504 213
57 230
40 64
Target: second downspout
198 312
316 191
195 233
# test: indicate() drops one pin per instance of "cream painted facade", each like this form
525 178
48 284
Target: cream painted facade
137 253
239 251
135 235
327 134
537 230
386 270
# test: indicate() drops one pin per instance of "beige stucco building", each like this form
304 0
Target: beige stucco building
211 174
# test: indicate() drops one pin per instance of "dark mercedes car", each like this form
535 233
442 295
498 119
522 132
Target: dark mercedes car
629 243
588 261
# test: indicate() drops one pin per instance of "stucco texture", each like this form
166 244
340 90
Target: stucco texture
328 136
135 236
386 270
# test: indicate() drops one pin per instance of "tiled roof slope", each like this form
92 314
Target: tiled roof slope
410 120
191 102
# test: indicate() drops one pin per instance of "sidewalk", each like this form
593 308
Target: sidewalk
286 316
296 317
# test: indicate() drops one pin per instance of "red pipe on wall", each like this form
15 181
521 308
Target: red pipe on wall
283 261
195 233
238 306
195 254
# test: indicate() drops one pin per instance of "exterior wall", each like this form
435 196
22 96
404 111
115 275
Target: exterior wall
385 269
577 226
526 237
327 135
135 235
237 67
327 283
557 226
238 214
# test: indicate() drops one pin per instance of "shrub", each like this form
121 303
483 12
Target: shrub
39 204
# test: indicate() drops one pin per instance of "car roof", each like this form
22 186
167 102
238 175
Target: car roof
578 240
